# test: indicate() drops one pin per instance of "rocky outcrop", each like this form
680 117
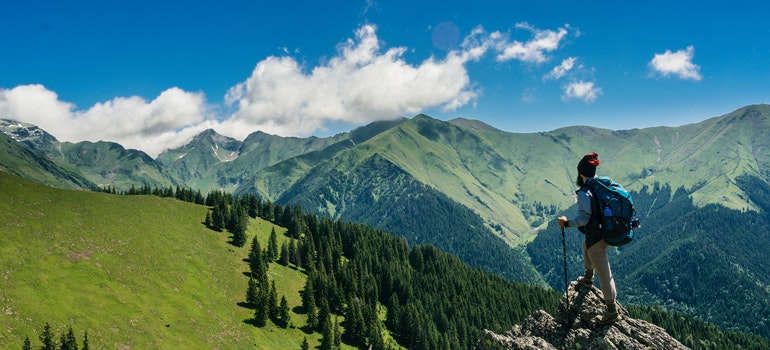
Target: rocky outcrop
575 327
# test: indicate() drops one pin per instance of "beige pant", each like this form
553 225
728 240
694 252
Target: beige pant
595 258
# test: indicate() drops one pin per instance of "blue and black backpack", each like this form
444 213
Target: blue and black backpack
613 210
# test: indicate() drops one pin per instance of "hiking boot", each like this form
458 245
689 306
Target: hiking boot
610 315
587 279
585 282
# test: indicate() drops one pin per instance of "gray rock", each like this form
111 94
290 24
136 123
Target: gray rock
575 327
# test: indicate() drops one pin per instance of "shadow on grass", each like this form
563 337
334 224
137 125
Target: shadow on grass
246 305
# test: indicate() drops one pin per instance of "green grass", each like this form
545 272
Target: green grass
136 272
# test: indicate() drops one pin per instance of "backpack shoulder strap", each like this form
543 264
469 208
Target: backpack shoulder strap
591 193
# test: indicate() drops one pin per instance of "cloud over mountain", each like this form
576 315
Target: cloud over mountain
362 82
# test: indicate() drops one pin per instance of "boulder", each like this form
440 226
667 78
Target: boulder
574 327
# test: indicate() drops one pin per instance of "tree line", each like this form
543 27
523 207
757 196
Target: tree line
67 340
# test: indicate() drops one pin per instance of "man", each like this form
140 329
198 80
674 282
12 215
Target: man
594 247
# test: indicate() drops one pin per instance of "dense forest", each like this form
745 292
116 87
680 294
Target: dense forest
433 300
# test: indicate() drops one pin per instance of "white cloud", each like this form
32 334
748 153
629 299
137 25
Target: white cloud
677 63
133 122
360 83
357 85
581 90
561 70
534 50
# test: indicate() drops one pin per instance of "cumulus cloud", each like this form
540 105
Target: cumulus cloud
677 63
133 122
534 50
561 70
581 90
360 83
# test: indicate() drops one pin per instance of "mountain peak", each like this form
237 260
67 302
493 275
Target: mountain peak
472 124
24 132
573 328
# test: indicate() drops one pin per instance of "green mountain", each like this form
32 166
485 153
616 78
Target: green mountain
491 197
109 164
143 272
214 162
106 164
18 159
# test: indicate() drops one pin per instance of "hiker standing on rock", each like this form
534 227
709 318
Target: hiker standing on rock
594 246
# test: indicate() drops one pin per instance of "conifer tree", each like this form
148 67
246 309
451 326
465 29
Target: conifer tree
272 246
46 337
237 224
68 341
257 264
252 293
337 334
284 258
324 316
261 308
283 312
85 336
292 251
327 335
27 345
272 301
218 214
207 221
308 303
304 345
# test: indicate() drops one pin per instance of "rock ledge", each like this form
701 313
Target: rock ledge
574 327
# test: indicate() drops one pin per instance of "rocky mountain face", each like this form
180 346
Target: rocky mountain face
574 327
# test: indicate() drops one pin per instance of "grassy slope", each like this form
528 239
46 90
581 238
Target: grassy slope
136 272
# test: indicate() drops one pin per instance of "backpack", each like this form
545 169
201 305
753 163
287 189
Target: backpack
613 209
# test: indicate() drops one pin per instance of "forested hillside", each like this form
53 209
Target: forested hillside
143 271
389 199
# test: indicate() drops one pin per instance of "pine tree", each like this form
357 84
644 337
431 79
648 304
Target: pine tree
218 216
272 246
292 251
327 332
238 224
47 338
85 336
261 308
308 303
27 344
284 258
207 221
305 345
252 293
324 316
283 312
68 341
337 334
272 300
257 264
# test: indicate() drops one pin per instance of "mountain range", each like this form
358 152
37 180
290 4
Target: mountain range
487 195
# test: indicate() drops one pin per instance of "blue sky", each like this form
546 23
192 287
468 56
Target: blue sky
151 74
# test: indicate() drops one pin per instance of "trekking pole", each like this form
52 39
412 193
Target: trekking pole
564 250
